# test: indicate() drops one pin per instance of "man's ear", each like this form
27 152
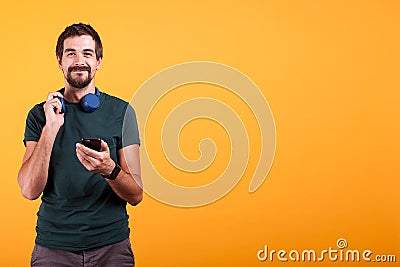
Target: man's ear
59 62
98 64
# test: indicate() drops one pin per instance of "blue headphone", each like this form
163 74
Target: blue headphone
89 102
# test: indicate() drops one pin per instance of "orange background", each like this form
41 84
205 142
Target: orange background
330 73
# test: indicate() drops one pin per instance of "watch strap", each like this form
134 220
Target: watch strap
113 175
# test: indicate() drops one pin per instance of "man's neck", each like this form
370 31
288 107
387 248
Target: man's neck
74 95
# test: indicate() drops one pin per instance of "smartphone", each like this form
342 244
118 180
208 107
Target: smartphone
92 143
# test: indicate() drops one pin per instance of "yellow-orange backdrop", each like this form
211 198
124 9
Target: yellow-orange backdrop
330 72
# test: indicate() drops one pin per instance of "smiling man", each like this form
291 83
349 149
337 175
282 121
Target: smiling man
82 220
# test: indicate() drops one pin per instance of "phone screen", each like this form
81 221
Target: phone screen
92 143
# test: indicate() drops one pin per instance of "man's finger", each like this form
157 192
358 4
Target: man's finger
93 161
104 147
88 162
52 95
55 104
87 151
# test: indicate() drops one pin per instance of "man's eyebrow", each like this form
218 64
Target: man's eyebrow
69 50
74 50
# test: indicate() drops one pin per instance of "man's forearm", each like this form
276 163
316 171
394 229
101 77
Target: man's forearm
128 187
32 176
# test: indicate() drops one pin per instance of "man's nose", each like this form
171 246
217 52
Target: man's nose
79 59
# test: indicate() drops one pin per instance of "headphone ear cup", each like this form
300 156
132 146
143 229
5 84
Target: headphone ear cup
90 102
63 109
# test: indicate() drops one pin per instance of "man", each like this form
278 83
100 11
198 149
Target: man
82 220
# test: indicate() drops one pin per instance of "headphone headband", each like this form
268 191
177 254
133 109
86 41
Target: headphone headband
90 102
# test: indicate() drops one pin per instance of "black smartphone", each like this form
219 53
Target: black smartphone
92 143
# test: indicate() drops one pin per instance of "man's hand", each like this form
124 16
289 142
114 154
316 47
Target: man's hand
98 162
128 185
52 109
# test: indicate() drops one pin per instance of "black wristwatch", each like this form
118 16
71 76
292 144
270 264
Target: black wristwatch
114 173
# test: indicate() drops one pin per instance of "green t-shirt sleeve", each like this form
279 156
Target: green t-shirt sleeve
130 131
34 124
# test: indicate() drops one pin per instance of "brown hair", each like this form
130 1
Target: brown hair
78 30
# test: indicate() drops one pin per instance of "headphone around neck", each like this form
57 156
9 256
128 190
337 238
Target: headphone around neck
89 103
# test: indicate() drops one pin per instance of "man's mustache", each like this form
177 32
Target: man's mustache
79 68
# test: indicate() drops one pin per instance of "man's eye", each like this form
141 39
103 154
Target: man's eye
88 54
71 54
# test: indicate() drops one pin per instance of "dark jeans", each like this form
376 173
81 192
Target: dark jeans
119 254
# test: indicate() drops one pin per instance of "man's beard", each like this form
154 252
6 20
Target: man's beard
79 82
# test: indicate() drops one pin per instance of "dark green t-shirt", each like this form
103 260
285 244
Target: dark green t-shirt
79 210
